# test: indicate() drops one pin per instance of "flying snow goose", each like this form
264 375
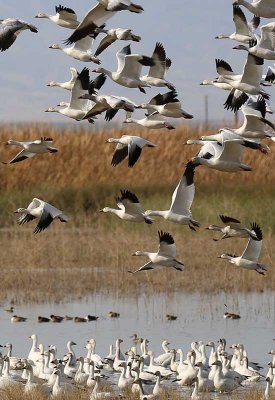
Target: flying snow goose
130 146
10 28
165 256
99 14
261 8
153 121
233 228
31 148
243 31
250 256
129 208
77 108
167 105
64 17
222 68
182 200
226 157
42 210
249 83
128 69
81 50
263 47
115 34
254 112
66 85
155 76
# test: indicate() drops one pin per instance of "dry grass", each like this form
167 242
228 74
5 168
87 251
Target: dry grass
93 251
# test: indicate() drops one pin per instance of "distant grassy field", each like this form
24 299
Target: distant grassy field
93 251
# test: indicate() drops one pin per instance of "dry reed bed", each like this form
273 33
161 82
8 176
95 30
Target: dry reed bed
15 392
92 253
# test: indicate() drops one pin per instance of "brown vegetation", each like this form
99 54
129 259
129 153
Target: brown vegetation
92 252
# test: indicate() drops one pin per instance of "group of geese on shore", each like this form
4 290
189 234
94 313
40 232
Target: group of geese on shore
138 369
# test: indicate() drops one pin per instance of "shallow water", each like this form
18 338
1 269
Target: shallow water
200 317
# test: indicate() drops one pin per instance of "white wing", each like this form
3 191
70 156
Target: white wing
267 40
232 151
84 44
253 71
182 197
80 87
252 250
131 67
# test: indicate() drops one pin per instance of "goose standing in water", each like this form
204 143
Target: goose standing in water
129 208
64 17
99 14
250 256
130 146
155 76
10 28
31 148
128 69
233 228
244 31
182 200
42 210
115 34
165 256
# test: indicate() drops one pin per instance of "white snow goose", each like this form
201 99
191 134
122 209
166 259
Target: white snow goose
77 108
10 28
31 148
233 228
166 105
66 85
155 76
152 121
182 200
99 14
251 254
64 17
42 210
128 69
115 34
243 31
129 208
81 50
165 256
261 8
264 46
130 146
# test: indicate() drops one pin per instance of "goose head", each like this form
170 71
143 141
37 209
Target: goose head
55 46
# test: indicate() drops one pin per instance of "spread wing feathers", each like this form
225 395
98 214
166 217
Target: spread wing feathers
120 153
110 114
254 246
235 100
184 193
223 68
253 70
129 201
240 21
257 108
120 55
254 23
95 17
167 245
134 153
7 38
209 150
45 220
270 75
80 87
97 83
25 218
133 64
145 267
65 12
104 44
232 151
232 222
161 99
267 40
159 56
22 155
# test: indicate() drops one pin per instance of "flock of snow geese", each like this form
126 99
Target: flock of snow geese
222 151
